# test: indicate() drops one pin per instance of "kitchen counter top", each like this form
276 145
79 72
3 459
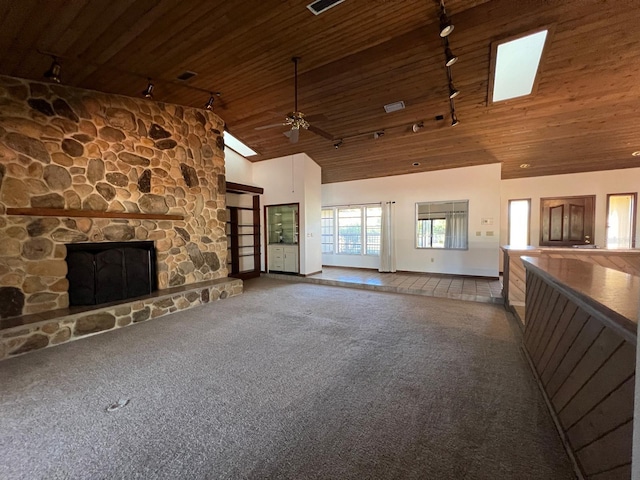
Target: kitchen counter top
614 296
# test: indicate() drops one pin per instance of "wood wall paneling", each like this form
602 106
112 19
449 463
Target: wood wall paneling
587 371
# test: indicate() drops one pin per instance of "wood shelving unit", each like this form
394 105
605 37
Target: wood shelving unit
243 233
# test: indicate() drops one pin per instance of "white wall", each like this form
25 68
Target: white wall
590 183
237 168
294 179
480 185
312 215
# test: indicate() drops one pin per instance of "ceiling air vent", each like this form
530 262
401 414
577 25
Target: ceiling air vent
320 6
394 107
186 75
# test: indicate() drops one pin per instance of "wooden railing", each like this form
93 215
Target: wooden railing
580 338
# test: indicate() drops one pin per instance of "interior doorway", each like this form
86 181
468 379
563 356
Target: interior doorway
621 220
519 222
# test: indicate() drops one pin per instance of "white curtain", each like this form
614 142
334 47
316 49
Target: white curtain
388 238
456 230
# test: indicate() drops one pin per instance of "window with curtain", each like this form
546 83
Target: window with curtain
442 225
351 230
373 222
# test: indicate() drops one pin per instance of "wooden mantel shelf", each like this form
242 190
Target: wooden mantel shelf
60 212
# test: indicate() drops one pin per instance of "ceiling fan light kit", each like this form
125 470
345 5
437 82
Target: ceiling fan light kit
296 119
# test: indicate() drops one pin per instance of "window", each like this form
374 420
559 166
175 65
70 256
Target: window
237 146
515 63
431 233
621 226
326 225
519 221
351 230
374 224
442 225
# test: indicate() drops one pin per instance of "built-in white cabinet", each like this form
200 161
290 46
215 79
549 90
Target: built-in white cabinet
283 258
282 237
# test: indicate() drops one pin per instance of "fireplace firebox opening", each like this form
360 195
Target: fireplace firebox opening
107 272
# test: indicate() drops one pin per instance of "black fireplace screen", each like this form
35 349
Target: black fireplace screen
107 272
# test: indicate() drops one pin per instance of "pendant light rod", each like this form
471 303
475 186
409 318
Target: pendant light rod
295 76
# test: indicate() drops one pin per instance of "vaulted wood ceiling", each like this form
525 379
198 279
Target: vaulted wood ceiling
355 58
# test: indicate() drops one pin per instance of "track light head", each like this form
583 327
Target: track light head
417 127
454 119
451 58
446 27
453 92
377 135
338 144
53 74
209 104
148 92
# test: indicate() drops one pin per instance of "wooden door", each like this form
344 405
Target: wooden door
567 221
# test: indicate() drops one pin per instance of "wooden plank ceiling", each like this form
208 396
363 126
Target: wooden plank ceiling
355 58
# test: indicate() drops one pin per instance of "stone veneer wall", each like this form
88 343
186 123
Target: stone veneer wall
22 339
67 148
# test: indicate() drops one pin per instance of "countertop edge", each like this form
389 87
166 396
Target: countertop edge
627 327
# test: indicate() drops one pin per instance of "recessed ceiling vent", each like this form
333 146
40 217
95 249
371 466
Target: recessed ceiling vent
394 107
320 6
186 75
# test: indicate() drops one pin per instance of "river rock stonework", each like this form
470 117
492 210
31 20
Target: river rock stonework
67 148
22 339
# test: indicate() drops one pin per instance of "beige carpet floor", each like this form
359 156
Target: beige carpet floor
287 381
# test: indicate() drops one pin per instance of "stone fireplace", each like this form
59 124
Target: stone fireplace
79 166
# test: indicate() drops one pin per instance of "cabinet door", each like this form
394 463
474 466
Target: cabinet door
276 258
567 221
291 259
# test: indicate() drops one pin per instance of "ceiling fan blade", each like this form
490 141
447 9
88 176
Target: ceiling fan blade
320 117
295 135
264 127
320 132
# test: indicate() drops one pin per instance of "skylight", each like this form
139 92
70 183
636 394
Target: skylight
516 66
237 146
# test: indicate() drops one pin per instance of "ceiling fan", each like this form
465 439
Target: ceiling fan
296 119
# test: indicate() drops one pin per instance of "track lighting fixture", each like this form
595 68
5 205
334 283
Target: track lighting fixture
53 74
446 27
451 58
416 127
453 93
338 144
209 104
148 92
377 135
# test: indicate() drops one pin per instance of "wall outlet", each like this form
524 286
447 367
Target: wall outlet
489 233
478 234
431 259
